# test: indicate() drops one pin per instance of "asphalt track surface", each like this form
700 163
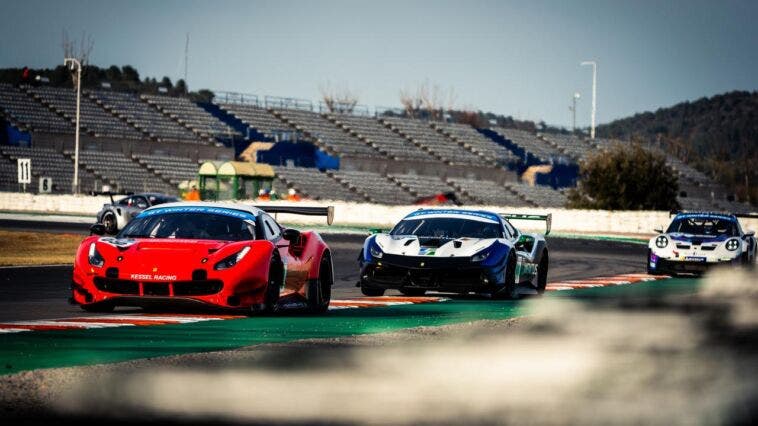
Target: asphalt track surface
32 293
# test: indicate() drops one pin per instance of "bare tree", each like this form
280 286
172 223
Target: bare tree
80 50
431 100
341 100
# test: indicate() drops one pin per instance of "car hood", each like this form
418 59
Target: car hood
698 239
411 245
172 258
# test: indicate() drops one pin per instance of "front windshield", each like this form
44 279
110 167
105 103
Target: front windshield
703 226
449 228
161 199
195 226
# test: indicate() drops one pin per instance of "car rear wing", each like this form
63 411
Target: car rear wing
548 218
302 210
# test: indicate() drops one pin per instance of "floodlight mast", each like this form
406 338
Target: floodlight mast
594 94
573 111
72 62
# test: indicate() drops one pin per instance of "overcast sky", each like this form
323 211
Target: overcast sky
514 58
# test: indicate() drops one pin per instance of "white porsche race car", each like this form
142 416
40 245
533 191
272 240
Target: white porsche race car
696 241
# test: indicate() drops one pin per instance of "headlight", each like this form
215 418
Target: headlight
375 251
232 260
732 244
480 256
95 259
661 241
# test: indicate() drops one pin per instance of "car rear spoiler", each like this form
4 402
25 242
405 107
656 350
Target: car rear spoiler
110 194
302 210
743 215
548 218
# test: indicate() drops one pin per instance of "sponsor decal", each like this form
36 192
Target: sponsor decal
239 214
152 277
477 214
427 251
118 242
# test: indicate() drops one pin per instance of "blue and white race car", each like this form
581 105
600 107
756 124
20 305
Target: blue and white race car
455 250
696 241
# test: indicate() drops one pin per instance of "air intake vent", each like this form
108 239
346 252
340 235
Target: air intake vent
199 275
111 272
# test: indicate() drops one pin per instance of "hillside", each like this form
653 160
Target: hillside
717 135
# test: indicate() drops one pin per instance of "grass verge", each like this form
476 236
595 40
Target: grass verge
37 248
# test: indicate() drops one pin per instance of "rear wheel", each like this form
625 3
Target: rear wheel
542 272
510 288
110 223
413 291
320 290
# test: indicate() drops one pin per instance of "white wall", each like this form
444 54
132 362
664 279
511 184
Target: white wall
564 220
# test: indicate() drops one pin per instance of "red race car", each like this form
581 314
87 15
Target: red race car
221 255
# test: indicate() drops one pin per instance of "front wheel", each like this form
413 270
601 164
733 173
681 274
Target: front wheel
510 288
101 307
320 290
413 291
271 296
372 291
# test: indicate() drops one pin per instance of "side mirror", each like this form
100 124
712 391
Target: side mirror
290 234
658 230
750 234
97 229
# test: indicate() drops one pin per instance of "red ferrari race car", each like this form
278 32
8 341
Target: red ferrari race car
220 255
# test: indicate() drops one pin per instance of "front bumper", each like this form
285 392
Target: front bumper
441 274
92 289
679 266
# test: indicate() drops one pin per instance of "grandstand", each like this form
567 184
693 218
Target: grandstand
257 118
312 183
155 142
377 135
325 134
142 116
121 173
425 137
93 118
192 116
46 162
26 114
374 187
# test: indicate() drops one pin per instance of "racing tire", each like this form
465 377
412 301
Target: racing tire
110 223
542 273
510 288
101 307
320 290
412 292
273 286
372 291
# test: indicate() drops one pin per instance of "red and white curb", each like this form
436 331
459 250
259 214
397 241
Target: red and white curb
622 279
140 319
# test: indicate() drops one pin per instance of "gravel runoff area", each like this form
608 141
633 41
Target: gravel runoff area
674 360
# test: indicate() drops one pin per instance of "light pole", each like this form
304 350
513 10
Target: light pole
594 94
72 62
573 111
